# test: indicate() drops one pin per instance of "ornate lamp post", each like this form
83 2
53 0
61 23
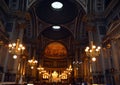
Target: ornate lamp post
92 52
33 62
17 49
33 65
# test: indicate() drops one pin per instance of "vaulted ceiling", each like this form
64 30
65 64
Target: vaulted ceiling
69 18
56 16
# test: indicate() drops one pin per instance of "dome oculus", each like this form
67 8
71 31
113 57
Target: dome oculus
56 27
57 5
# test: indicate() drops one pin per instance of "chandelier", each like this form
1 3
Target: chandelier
55 74
66 73
45 74
32 63
68 70
41 70
16 48
92 51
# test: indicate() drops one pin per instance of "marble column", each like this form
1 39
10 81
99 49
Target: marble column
103 64
118 51
7 53
114 55
5 67
115 60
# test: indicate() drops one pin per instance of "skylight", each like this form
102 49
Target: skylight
57 5
56 27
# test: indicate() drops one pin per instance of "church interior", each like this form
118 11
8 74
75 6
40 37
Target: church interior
59 42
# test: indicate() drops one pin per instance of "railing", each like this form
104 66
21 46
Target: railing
7 83
98 84
12 83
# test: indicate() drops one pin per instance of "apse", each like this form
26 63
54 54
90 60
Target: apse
55 50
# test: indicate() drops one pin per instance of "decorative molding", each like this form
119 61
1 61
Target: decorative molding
83 3
110 7
29 3
113 32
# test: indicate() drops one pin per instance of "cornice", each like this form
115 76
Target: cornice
113 32
4 6
110 7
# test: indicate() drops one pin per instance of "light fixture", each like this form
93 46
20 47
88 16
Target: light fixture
30 84
92 51
32 67
40 68
55 74
77 62
57 5
94 59
66 73
14 56
32 62
16 48
63 76
56 27
46 75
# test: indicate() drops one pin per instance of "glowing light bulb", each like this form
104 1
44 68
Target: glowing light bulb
94 59
14 56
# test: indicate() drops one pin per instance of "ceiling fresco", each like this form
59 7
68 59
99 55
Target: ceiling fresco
55 50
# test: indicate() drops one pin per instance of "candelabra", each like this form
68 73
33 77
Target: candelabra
66 73
55 76
32 62
16 48
43 72
92 51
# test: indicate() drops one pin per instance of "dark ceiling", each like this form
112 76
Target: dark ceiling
49 15
56 34
69 13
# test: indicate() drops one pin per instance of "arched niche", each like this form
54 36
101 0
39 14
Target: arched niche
55 50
